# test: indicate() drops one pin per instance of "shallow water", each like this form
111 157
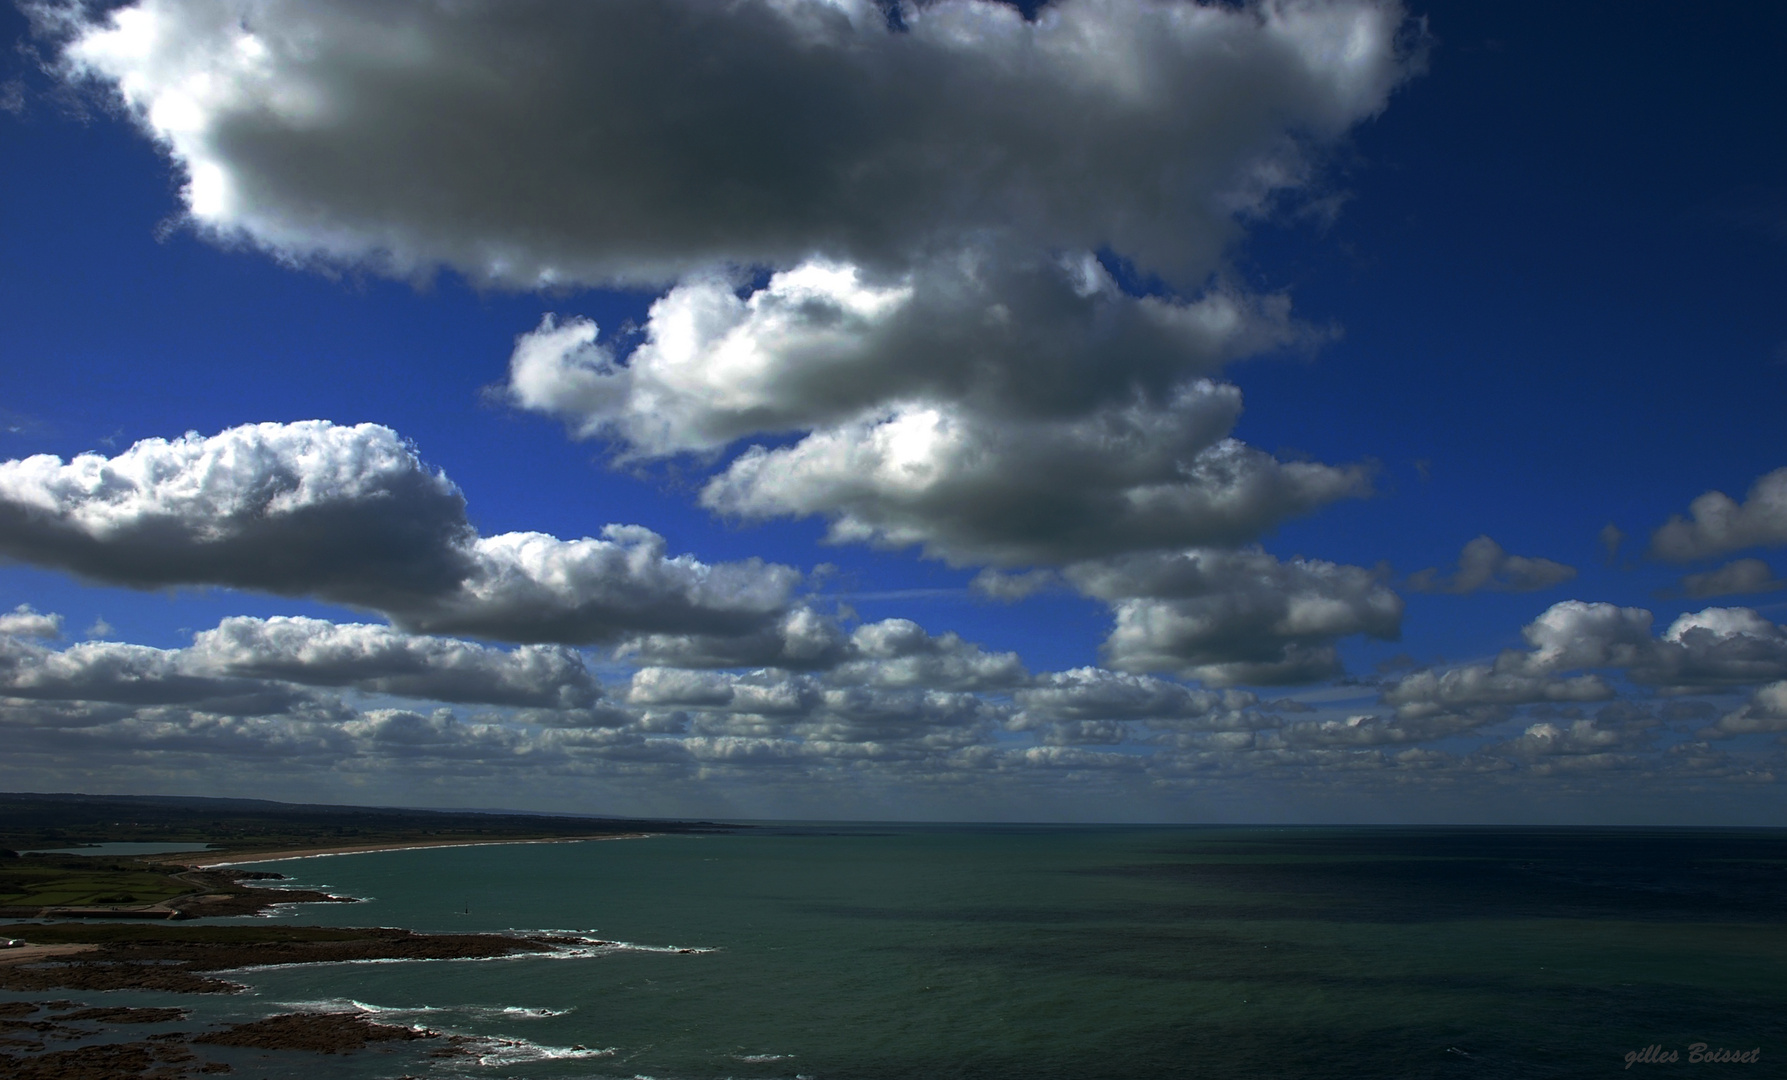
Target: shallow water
1038 953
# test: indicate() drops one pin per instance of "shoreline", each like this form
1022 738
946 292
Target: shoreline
244 858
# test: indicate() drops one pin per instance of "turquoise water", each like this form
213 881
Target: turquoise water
1070 953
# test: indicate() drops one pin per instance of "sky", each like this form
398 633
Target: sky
1101 410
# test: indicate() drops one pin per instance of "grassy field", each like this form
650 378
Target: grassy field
75 881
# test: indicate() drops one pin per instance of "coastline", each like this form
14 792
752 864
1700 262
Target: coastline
239 858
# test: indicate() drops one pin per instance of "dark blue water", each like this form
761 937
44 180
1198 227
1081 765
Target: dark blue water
1076 953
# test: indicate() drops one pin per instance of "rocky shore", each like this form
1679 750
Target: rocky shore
29 1032
179 959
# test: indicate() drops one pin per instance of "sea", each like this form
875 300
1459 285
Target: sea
872 952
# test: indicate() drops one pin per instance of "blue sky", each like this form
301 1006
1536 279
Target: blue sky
1445 272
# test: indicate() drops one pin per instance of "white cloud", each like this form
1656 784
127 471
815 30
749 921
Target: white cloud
1235 617
1428 693
1710 649
821 343
125 674
996 585
1483 564
346 513
352 515
802 640
971 487
1368 729
251 666
1575 634
897 653
383 660
962 373
24 621
1716 647
534 587
1735 578
1095 694
1766 711
572 142
1718 524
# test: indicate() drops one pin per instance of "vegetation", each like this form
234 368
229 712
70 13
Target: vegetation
247 825
154 933
40 881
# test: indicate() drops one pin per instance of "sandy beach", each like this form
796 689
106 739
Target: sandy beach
28 954
236 858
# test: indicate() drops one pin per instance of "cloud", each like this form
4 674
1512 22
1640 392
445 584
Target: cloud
896 653
1095 695
1733 579
1766 711
822 342
1011 588
345 513
1484 565
1369 729
1716 648
1235 617
251 666
351 515
1611 537
124 674
383 660
1718 524
885 249
570 142
1425 694
538 588
24 621
802 640
974 488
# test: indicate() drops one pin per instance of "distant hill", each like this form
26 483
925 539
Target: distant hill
32 820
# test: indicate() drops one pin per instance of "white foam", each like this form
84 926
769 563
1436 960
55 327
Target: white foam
590 943
490 1050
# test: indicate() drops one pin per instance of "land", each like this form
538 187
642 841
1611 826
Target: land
199 883
237 827
95 957
128 931
30 1032
42 886
180 959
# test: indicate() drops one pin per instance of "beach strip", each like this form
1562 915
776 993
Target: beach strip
237 858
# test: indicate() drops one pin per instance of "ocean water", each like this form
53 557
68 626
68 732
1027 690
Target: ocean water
1045 953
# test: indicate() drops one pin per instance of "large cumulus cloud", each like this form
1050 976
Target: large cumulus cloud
566 141
352 515
820 343
884 248
969 489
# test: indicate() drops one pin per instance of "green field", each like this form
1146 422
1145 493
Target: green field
74 881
